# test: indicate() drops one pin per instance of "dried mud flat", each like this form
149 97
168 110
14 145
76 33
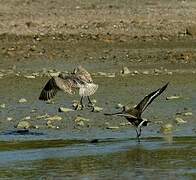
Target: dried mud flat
97 32
134 19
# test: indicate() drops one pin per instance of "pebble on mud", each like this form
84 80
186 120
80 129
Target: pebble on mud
54 118
172 97
9 118
101 73
42 116
2 105
112 127
145 72
35 74
54 74
125 70
97 109
50 101
33 110
22 100
111 75
79 118
27 118
50 125
107 123
188 114
63 109
179 120
80 121
24 125
169 73
29 76
135 72
76 105
93 101
1 75
157 71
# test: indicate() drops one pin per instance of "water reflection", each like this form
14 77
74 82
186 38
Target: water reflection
168 137
104 161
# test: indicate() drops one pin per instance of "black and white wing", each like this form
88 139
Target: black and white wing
68 85
149 98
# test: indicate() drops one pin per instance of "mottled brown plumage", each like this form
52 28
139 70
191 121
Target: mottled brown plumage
133 115
79 79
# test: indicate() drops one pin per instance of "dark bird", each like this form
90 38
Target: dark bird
80 79
133 115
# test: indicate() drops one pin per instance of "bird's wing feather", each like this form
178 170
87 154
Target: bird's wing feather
149 98
49 90
55 84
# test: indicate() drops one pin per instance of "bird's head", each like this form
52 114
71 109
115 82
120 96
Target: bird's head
77 69
126 108
74 71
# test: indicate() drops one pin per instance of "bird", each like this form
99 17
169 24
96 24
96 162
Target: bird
80 79
133 115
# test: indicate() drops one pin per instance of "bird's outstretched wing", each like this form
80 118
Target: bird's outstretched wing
149 98
83 74
66 84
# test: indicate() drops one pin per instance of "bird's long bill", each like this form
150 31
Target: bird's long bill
113 114
121 114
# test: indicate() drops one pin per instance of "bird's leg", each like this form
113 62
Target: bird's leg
81 103
89 101
140 131
138 134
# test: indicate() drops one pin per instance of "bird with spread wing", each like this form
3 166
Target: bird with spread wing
133 115
80 79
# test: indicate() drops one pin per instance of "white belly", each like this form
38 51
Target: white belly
88 89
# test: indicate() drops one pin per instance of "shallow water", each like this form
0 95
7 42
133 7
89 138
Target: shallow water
108 159
69 152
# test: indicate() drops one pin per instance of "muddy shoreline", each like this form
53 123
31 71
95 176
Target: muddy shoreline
36 34
28 54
